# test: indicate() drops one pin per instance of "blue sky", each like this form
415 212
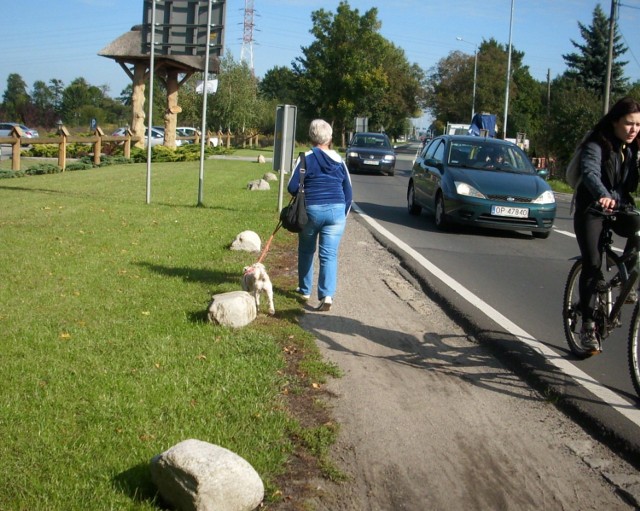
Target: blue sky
45 39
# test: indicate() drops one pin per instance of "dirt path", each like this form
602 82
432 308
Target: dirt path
430 420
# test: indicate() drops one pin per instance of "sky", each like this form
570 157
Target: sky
60 39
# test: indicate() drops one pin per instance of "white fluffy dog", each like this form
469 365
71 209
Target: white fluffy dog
255 280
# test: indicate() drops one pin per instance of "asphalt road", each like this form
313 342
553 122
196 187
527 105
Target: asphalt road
507 288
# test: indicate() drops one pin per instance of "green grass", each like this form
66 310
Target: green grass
107 357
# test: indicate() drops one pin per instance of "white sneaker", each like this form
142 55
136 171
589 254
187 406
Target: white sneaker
304 297
325 304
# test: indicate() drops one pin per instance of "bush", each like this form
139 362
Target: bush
43 168
79 166
8 174
43 151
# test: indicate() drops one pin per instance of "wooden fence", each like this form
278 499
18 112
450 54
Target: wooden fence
98 140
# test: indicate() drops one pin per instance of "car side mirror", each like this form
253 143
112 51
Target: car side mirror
432 162
543 173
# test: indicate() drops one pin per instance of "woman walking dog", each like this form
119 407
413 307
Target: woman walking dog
328 193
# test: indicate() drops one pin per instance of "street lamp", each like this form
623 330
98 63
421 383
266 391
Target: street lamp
475 75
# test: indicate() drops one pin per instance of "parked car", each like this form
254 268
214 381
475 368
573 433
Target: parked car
161 130
7 127
482 182
157 136
187 131
371 152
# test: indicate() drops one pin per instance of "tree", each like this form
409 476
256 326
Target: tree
43 102
451 84
575 110
16 100
278 84
588 67
350 71
235 104
340 75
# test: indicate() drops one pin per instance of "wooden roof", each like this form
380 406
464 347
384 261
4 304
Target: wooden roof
128 49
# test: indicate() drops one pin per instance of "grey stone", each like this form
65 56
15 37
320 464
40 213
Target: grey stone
258 185
270 176
198 476
248 241
234 309
261 159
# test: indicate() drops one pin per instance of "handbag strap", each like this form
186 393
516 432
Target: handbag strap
302 169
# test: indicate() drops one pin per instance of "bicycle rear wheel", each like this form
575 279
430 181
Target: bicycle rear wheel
634 349
571 313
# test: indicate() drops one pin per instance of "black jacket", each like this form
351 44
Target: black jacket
605 174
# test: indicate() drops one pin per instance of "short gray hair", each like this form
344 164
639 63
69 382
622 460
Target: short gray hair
320 132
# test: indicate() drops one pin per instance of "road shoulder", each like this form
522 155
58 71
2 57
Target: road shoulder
430 419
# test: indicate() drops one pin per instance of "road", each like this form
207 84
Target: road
508 288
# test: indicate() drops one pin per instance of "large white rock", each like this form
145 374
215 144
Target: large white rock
270 176
258 184
234 309
198 476
248 241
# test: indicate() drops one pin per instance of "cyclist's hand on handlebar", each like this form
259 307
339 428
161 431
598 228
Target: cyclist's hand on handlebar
607 204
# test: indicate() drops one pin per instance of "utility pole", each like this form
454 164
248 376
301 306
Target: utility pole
506 94
612 30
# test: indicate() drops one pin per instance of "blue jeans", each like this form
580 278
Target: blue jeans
326 222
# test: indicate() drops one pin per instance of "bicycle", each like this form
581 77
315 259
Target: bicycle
612 293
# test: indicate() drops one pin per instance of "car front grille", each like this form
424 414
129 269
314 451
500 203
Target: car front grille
509 198
507 220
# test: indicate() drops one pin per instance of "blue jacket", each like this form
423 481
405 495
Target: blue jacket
327 180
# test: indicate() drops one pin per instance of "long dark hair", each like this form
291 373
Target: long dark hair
602 132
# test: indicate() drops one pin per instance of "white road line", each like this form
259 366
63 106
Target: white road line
621 405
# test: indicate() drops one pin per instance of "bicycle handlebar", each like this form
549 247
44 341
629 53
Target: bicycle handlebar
620 208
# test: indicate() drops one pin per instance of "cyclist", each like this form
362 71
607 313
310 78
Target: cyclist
609 167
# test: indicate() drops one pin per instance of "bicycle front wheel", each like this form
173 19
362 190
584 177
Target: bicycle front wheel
634 349
571 313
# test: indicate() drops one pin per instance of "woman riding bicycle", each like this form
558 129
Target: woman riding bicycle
609 168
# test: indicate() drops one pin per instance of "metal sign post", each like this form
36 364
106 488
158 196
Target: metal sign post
205 94
150 117
285 135
182 35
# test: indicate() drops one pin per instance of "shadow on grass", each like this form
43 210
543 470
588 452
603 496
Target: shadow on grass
194 274
136 483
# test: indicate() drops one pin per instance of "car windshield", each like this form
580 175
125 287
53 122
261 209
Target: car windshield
371 141
489 156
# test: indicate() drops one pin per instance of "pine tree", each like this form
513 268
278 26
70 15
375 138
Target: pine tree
588 67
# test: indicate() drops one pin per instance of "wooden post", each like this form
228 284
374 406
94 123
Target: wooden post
127 143
16 148
171 115
97 146
137 101
62 146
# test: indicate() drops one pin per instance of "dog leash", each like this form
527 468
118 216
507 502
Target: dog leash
268 243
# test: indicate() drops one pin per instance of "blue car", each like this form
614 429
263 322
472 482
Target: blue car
482 182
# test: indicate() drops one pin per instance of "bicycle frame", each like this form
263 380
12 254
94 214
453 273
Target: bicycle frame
628 281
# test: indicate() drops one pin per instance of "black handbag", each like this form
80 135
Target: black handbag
294 215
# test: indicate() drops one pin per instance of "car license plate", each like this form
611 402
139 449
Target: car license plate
371 162
512 212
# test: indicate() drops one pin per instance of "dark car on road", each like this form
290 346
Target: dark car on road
371 152
482 182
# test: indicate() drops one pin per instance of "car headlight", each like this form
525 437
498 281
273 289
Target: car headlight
389 157
352 154
547 197
468 190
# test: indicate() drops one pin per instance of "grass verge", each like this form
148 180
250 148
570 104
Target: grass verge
107 355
